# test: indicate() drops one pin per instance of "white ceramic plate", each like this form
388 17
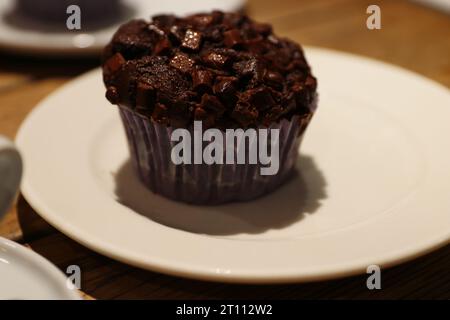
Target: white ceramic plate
372 188
26 275
21 34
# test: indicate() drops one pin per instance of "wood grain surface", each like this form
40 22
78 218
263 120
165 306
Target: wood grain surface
412 36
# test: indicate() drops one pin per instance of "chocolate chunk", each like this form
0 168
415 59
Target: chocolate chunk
272 115
244 114
156 30
297 64
254 73
210 102
225 85
289 104
132 40
112 95
263 29
217 16
201 79
259 98
192 40
274 79
122 81
182 62
257 45
297 87
274 40
207 118
233 20
164 20
300 93
232 38
200 113
202 20
179 113
216 60
160 113
176 34
213 35
113 64
145 95
311 86
311 82
163 47
250 68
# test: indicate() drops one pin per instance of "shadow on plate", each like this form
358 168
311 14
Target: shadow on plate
300 195
111 15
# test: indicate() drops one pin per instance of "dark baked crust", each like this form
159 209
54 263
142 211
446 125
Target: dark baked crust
222 68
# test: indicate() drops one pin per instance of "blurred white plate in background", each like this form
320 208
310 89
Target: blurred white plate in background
441 5
18 34
25 275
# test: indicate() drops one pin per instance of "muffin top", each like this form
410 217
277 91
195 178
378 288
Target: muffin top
221 68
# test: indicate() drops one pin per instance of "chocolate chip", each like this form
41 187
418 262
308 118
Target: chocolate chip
182 62
232 38
201 79
192 40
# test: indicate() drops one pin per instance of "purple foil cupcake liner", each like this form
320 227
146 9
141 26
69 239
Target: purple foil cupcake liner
150 148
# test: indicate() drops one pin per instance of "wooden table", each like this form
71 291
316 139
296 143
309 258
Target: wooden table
412 36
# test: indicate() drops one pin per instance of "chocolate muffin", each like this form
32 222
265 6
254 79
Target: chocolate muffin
222 69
